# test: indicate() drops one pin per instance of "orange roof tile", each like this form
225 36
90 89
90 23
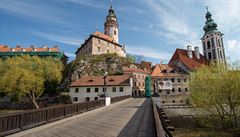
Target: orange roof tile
4 48
102 35
192 63
164 70
147 65
122 80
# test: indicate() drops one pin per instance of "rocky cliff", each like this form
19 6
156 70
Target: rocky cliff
95 65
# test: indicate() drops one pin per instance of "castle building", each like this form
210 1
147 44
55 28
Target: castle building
212 41
6 52
104 43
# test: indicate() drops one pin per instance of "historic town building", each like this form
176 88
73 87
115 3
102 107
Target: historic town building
171 84
104 43
187 60
138 76
89 88
212 41
6 51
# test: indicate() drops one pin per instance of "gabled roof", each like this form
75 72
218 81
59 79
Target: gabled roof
86 81
5 48
132 70
164 70
192 63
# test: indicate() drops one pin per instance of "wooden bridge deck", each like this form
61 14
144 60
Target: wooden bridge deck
130 118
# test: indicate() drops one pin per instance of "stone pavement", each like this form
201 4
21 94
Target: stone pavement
131 118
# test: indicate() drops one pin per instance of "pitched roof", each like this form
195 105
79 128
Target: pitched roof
147 65
192 63
131 70
102 35
5 48
85 81
164 70
99 35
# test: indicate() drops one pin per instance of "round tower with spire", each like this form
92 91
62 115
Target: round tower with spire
212 40
111 25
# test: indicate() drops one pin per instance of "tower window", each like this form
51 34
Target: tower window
98 49
115 32
208 45
209 55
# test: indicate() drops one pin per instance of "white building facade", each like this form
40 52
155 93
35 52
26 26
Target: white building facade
89 88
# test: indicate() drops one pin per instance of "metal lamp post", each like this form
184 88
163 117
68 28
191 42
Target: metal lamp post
105 83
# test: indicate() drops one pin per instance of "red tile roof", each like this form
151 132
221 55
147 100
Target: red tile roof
85 81
147 65
164 70
102 35
131 70
192 63
5 48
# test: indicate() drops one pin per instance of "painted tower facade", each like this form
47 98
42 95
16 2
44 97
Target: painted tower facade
111 25
212 41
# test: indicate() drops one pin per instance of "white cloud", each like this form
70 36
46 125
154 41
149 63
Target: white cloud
233 46
70 54
147 52
34 10
59 38
226 13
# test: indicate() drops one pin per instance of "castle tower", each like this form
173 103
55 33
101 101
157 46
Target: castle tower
212 41
111 25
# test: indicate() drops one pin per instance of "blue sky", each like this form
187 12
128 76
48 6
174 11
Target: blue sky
152 28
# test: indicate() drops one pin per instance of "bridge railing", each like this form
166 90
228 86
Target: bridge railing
162 129
11 123
120 98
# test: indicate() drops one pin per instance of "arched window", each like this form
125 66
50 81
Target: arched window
208 45
209 55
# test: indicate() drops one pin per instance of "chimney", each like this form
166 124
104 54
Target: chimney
189 51
44 46
196 51
18 46
32 46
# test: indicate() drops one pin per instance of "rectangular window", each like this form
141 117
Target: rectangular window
87 99
173 89
76 90
186 89
173 80
114 89
213 43
179 90
96 89
185 80
88 90
179 80
135 83
121 89
75 99
96 98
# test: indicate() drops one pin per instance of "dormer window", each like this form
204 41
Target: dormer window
91 80
164 71
111 80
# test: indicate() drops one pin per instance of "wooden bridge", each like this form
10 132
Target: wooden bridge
133 117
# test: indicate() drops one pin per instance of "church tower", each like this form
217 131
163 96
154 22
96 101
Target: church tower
212 41
111 25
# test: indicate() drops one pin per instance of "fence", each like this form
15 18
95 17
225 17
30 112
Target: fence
162 129
15 122
117 99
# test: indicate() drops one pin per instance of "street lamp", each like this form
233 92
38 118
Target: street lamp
105 83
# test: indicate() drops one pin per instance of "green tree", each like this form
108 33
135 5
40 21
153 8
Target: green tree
26 75
218 91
